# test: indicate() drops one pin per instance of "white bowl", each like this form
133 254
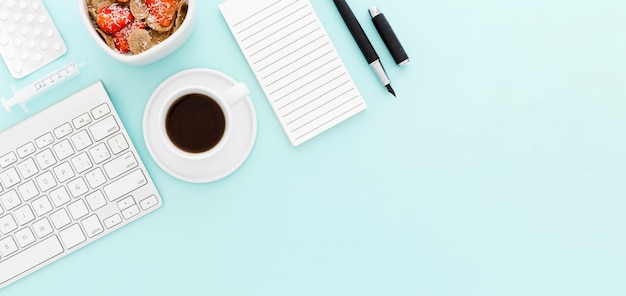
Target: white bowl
151 55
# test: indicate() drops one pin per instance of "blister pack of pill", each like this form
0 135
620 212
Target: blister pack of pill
29 39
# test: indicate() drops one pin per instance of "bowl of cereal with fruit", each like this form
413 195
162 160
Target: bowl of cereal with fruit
138 32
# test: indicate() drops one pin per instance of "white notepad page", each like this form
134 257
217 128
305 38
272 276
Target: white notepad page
295 63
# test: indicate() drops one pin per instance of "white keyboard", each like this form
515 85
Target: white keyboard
68 176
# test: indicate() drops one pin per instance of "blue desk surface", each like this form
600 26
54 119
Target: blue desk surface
499 170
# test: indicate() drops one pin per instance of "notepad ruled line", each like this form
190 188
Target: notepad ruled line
325 113
273 21
255 14
276 22
307 74
288 64
313 100
294 51
284 37
299 99
308 83
321 106
299 68
312 91
287 45
330 121
316 108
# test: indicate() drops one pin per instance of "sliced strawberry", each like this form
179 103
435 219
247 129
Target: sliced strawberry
113 18
163 10
121 37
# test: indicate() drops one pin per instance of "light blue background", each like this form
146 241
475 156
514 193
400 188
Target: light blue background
499 170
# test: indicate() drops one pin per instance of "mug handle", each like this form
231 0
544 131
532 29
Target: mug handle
236 93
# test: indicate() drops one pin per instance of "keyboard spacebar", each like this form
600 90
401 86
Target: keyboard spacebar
30 258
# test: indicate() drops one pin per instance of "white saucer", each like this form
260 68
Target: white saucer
216 166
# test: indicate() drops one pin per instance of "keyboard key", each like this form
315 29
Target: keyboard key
99 153
7 246
63 130
63 172
63 149
78 209
26 150
45 159
81 162
92 226
60 218
118 144
10 200
7 224
72 236
81 140
77 187
44 140
7 160
130 212
46 181
24 215
29 258
95 200
149 202
9 177
95 178
104 128
42 228
112 221
27 168
125 203
25 237
125 185
28 190
120 165
59 196
81 121
42 206
100 111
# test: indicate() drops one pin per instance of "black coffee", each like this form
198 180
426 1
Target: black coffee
195 123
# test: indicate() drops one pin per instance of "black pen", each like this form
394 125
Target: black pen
363 42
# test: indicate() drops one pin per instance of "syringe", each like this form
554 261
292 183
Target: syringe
48 82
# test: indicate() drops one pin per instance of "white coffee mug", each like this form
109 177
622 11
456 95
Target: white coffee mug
226 101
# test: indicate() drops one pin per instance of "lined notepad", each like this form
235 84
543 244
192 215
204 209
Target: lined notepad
295 63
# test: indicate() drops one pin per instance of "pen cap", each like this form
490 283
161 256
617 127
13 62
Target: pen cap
389 37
